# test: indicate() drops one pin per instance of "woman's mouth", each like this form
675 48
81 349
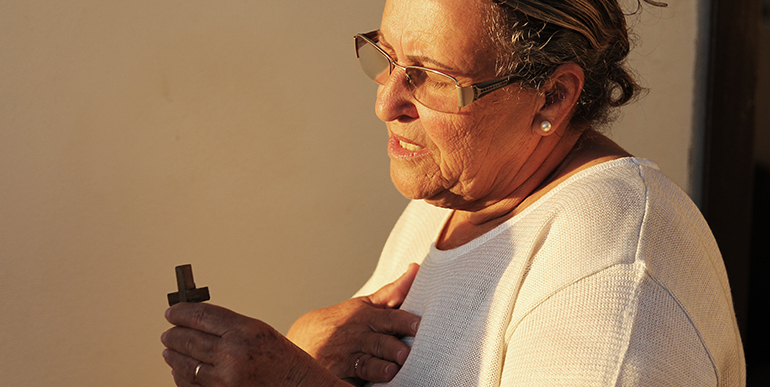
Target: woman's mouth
408 146
404 149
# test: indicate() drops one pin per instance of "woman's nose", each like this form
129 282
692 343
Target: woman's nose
394 98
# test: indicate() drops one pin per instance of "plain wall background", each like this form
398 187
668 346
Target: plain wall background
238 136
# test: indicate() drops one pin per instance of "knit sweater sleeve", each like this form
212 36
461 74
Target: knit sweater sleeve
644 302
618 327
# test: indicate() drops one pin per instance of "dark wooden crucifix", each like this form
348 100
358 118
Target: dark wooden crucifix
187 290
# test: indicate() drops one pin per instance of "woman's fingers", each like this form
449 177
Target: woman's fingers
203 317
182 382
192 343
385 347
184 367
394 322
235 350
373 369
394 293
336 336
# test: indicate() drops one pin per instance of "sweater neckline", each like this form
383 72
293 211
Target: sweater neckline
473 244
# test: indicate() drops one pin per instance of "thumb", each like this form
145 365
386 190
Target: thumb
394 293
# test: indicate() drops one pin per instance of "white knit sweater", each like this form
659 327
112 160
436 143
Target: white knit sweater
612 278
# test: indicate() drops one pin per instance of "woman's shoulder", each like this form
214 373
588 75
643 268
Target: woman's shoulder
625 222
615 186
626 199
599 172
623 187
608 215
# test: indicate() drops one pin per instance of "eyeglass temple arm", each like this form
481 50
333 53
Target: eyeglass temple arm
466 95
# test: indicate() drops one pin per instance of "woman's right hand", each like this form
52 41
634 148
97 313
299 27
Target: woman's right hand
358 340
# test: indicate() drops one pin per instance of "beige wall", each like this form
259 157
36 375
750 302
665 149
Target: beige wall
670 58
238 136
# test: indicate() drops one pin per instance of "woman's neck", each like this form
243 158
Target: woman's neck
575 154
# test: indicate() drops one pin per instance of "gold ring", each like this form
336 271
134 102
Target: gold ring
355 366
197 369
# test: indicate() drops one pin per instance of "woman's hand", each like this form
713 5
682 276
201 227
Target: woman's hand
358 339
232 350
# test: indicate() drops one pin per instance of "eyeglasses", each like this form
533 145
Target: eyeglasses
432 88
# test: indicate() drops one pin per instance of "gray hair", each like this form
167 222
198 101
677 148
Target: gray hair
535 37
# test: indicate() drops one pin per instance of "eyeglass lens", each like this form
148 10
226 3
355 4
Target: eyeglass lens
431 88
373 62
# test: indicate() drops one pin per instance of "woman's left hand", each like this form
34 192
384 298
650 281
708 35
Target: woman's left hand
229 349
358 340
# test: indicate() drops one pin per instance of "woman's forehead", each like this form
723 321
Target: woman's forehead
435 28
443 18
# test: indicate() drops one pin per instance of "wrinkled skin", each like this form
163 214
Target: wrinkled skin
364 328
236 351
241 351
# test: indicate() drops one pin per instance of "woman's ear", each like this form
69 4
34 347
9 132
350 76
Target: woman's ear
560 94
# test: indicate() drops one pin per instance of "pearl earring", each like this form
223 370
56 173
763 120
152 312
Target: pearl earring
545 127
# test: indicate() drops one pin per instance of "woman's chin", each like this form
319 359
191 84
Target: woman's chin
409 191
411 187
439 197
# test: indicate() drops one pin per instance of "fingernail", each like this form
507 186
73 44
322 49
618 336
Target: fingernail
168 311
163 337
415 325
401 357
165 353
390 369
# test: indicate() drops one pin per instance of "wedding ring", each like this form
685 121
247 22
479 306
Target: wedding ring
355 366
197 368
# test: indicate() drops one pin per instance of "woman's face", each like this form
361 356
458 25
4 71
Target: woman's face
465 160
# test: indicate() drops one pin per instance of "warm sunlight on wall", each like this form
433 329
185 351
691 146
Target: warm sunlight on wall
238 136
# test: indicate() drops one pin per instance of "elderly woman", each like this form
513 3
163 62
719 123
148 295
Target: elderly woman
549 255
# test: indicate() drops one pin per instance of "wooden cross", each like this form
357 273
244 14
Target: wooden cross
187 291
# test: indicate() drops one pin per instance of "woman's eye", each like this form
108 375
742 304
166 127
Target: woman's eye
438 82
437 85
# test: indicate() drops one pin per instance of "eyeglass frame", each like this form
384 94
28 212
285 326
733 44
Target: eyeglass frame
466 95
